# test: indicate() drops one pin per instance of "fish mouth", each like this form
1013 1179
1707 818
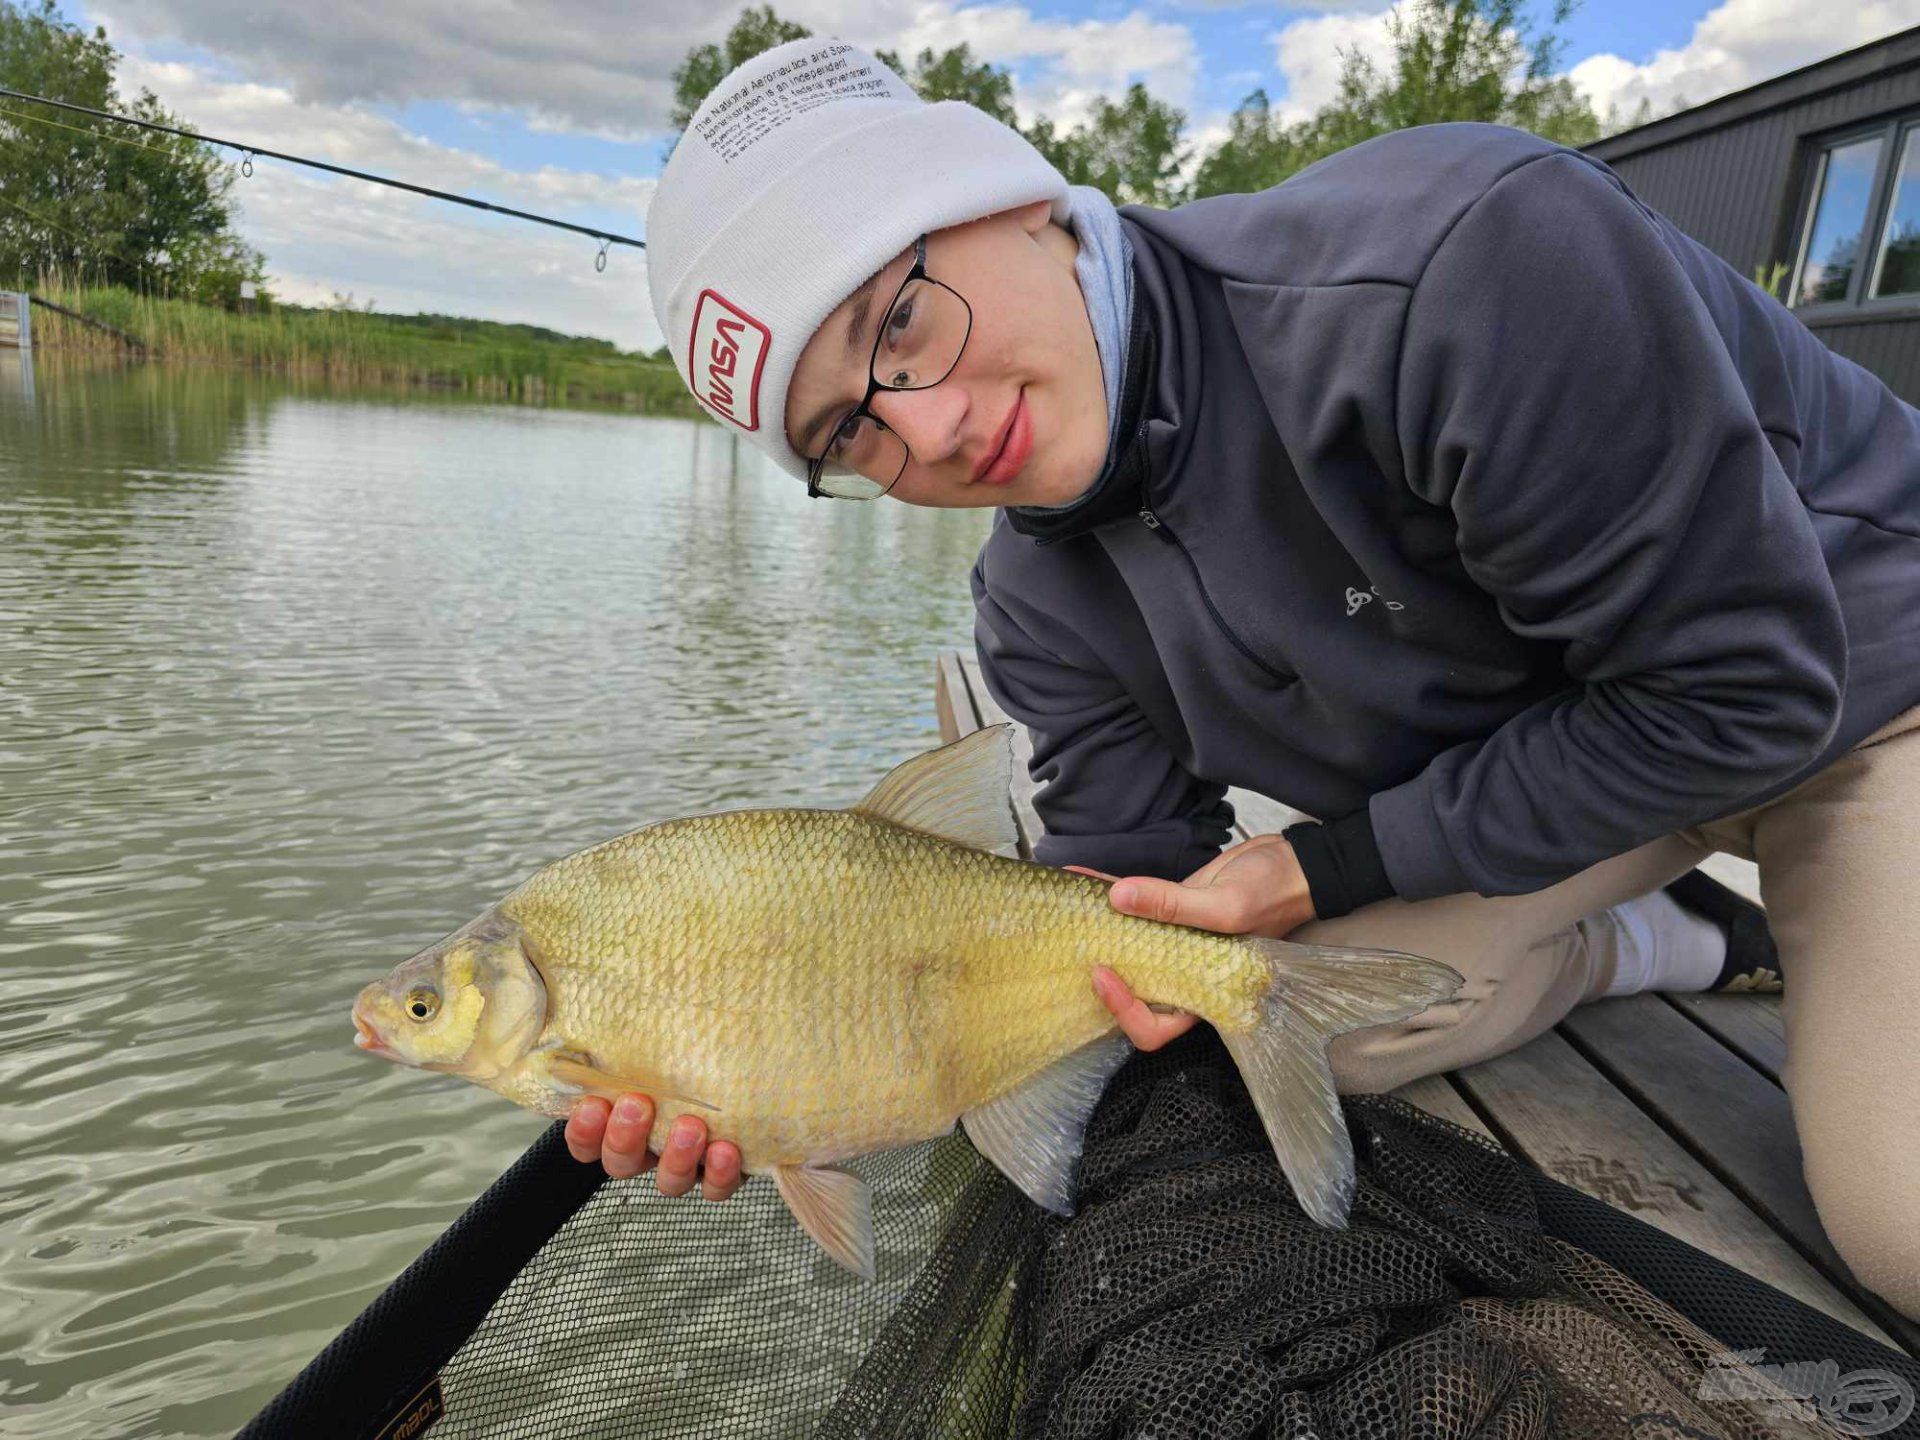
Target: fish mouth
368 1039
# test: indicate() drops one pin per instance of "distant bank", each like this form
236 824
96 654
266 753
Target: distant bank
480 357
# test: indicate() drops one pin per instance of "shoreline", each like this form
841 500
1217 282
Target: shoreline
440 355
344 382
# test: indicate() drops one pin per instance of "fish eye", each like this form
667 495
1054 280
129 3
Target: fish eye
423 1004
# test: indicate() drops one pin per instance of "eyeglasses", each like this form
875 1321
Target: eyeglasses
925 329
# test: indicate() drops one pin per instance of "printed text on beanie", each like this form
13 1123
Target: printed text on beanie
800 176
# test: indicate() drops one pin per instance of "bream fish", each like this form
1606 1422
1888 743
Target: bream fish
819 984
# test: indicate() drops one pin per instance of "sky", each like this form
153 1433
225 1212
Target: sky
561 107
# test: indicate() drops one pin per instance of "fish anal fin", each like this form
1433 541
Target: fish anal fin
1317 992
960 792
572 1068
1033 1133
835 1208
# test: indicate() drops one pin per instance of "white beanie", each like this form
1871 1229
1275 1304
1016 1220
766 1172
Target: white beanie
800 176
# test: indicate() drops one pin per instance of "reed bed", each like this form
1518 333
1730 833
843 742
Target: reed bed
516 362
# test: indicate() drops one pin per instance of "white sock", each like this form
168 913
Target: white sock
1656 945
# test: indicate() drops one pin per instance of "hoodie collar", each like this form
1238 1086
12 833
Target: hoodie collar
1160 393
1122 485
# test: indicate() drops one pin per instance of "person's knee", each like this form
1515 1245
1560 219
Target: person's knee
1849 1081
1868 1210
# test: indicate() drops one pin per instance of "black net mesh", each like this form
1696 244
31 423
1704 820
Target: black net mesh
1189 1296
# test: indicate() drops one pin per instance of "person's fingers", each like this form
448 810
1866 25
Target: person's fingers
1225 909
680 1160
721 1175
586 1128
1149 1029
624 1151
1096 874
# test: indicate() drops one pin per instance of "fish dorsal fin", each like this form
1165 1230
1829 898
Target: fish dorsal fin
1033 1133
960 792
835 1208
571 1068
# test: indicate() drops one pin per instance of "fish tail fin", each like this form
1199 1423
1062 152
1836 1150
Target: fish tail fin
1316 993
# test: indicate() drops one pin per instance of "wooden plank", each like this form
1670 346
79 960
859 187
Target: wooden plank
990 713
951 700
1725 1112
1750 1025
1433 1094
1549 1105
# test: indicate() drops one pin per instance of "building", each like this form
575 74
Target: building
1810 180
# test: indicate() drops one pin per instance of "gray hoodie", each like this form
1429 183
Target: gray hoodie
1464 503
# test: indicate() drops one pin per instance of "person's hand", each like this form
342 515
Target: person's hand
616 1136
1253 888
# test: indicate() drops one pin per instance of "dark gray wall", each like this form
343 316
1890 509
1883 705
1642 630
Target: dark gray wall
1731 174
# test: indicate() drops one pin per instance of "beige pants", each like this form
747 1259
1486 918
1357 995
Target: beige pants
1839 861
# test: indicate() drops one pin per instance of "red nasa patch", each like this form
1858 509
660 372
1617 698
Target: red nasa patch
726 355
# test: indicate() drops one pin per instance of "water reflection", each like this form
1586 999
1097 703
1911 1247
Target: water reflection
294 684
16 379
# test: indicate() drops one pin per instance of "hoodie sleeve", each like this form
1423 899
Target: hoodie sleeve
1563 390
1112 795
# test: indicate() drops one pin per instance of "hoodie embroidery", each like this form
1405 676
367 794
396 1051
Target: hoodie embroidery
1357 598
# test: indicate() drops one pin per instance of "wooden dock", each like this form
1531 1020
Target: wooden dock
16 320
1666 1106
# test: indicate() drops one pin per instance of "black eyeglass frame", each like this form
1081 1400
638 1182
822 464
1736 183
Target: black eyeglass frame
817 462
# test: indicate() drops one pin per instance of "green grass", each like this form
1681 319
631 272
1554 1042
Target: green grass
481 357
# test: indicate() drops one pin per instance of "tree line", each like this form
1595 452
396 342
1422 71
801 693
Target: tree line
81 197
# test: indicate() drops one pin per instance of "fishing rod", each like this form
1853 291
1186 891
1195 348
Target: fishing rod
605 237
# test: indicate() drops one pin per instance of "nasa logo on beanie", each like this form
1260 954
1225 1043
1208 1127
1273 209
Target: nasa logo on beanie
799 177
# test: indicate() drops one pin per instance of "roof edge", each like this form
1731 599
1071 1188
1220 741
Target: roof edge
1892 52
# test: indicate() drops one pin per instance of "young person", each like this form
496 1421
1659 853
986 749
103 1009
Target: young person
1444 492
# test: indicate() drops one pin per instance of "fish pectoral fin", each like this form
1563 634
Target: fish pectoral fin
571 1068
835 1208
1034 1132
1316 993
960 792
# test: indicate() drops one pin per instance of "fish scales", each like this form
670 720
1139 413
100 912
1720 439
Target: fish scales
833 983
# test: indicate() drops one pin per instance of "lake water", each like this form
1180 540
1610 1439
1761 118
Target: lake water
290 685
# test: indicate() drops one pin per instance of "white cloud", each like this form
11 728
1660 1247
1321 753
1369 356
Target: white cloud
589 65
1307 54
1070 62
276 118
603 67
325 234
1738 44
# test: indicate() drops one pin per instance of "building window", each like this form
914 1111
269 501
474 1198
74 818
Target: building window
1896 269
1860 227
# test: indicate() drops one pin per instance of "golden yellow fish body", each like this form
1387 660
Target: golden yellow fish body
831 983
817 984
